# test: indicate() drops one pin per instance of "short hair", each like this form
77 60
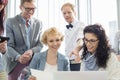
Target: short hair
23 1
68 4
51 31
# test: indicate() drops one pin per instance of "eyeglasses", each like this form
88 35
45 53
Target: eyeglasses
29 9
92 41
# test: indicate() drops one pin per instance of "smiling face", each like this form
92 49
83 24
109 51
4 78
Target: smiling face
53 42
68 13
28 9
91 41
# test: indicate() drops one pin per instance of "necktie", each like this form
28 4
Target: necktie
27 21
28 34
69 26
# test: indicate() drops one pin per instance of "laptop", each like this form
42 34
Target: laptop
70 75
81 75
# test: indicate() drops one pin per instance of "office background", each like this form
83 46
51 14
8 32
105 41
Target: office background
105 12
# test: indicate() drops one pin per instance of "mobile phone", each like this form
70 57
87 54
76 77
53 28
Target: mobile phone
2 39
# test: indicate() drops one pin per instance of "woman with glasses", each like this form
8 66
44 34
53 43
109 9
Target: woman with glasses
97 55
3 4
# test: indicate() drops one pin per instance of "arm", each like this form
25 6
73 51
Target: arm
79 42
77 50
25 73
35 61
67 67
37 46
113 67
11 43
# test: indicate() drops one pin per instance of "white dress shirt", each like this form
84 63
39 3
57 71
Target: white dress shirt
71 37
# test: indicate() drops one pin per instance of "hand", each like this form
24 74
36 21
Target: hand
29 52
25 57
32 78
3 47
76 53
80 42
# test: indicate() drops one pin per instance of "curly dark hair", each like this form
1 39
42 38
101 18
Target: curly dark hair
103 49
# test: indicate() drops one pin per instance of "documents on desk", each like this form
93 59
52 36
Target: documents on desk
68 75
41 75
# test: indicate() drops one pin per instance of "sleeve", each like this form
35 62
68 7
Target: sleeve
80 32
39 45
113 68
25 73
34 62
67 67
11 44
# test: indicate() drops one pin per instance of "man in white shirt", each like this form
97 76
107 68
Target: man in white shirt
73 33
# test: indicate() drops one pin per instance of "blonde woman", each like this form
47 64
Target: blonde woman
50 60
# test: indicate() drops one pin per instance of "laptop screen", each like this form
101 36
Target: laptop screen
69 75
81 75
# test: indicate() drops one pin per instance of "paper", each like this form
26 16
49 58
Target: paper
42 75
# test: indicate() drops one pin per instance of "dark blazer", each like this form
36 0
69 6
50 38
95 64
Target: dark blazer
15 30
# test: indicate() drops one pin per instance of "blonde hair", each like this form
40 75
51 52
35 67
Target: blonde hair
51 31
68 4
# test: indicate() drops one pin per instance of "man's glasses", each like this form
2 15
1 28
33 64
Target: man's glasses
92 41
29 9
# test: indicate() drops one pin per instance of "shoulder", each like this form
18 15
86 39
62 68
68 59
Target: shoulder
113 56
40 55
13 19
113 60
113 66
79 23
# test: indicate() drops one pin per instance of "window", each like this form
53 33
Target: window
105 13
88 12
